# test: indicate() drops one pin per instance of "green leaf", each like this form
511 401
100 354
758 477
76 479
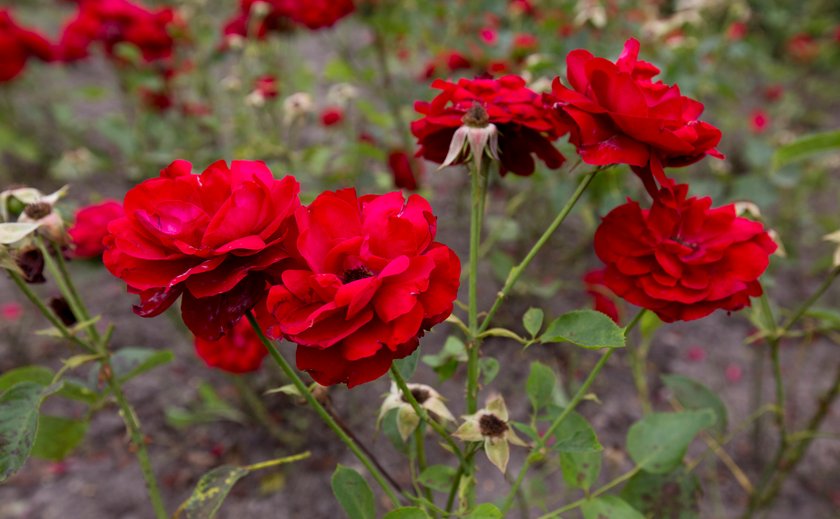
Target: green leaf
540 385
574 434
649 323
57 437
19 423
609 507
214 486
805 147
38 374
533 321
127 363
485 511
437 477
581 469
489 368
353 493
694 395
446 361
407 512
675 495
585 328
408 365
658 441
390 428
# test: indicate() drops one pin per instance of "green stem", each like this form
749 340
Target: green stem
581 392
810 301
322 413
420 448
49 314
478 176
609 486
638 364
138 440
424 415
517 271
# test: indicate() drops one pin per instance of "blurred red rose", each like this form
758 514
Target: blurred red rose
403 169
681 259
803 47
736 31
238 351
11 312
215 239
267 86
91 226
525 125
374 279
524 44
602 297
17 45
331 116
452 61
114 22
280 15
759 121
619 116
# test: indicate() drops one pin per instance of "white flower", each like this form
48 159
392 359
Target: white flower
491 426
407 419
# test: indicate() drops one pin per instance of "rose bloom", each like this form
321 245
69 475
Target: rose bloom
267 86
281 14
216 239
451 61
681 258
759 120
619 116
526 126
113 22
239 351
373 280
602 297
91 227
331 116
17 45
403 169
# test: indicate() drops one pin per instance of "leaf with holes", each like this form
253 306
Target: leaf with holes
581 469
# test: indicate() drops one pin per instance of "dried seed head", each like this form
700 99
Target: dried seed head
37 210
476 116
491 426
420 394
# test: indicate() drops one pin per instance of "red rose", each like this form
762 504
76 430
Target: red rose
619 116
332 115
280 14
680 258
318 14
602 297
526 126
373 280
451 61
267 86
17 45
402 168
91 226
214 238
112 22
239 351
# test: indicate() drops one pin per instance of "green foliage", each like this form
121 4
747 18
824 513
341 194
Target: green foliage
19 407
658 441
406 512
408 365
675 495
532 320
210 408
694 395
353 493
581 469
438 477
574 434
446 361
128 363
485 511
609 507
57 437
540 385
489 368
585 328
805 147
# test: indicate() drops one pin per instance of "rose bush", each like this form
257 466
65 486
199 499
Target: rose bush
215 239
681 258
372 280
17 45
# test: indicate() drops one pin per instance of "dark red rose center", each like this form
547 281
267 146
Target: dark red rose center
355 274
490 425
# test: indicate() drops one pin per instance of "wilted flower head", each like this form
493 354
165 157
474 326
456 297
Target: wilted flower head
296 106
407 419
491 425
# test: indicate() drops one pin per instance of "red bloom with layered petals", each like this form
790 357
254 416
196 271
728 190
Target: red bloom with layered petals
91 227
405 170
112 22
215 239
17 45
619 116
281 14
239 351
681 258
374 279
526 125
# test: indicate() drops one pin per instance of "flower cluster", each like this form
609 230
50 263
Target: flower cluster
258 18
353 281
17 45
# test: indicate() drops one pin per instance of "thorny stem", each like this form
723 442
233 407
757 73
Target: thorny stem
477 193
424 415
573 403
517 271
322 413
